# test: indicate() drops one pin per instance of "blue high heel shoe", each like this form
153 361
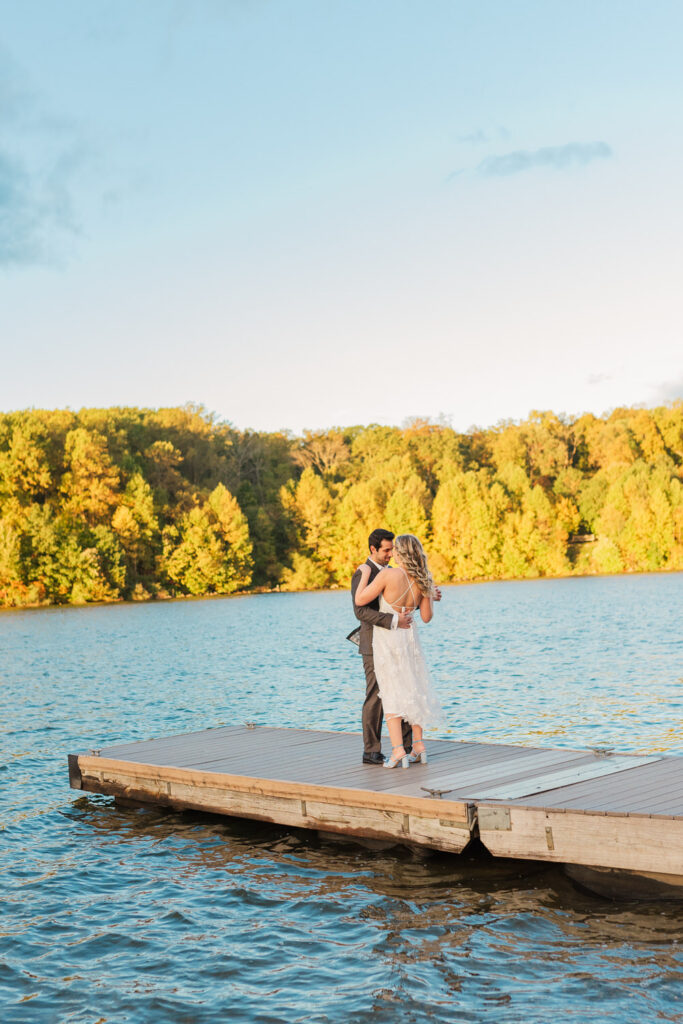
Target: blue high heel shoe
418 755
392 761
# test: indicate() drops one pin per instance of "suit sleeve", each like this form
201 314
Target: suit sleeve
366 614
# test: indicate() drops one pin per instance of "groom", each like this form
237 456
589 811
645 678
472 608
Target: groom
381 544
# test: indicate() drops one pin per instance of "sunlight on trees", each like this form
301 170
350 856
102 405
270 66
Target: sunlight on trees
125 503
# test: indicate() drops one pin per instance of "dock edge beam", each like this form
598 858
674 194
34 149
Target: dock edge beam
75 777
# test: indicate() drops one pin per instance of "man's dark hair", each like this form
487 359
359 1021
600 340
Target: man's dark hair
377 536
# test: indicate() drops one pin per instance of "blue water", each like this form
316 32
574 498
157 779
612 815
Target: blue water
150 916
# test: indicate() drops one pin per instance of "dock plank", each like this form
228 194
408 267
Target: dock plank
518 767
660 780
552 780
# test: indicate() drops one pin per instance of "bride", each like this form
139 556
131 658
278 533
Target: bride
402 676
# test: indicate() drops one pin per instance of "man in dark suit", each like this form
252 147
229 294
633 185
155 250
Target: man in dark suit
381 544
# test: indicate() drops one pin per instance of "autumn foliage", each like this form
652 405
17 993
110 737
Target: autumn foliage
110 504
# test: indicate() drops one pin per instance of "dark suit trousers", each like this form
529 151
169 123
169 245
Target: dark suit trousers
373 713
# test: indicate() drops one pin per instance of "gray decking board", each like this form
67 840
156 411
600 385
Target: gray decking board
549 798
534 763
313 755
242 740
123 750
259 753
660 804
660 782
335 770
555 778
633 790
210 739
246 747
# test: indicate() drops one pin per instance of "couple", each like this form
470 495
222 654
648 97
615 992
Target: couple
397 680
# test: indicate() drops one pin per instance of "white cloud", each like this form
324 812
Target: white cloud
573 154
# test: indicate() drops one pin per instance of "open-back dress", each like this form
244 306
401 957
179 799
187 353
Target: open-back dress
405 687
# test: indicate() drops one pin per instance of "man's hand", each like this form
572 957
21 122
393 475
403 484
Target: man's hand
405 620
437 593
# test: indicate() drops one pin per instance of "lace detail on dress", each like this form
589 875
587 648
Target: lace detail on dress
402 675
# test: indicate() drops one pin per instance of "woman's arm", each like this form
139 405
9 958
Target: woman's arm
426 608
367 593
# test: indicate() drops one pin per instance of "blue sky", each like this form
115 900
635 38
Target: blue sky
306 214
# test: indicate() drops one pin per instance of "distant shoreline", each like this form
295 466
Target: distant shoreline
258 592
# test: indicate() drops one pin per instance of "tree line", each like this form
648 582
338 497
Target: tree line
126 503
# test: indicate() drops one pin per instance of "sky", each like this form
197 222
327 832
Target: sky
304 214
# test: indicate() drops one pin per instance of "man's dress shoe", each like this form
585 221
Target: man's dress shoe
374 757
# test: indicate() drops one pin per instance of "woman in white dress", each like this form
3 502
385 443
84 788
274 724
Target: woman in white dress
402 676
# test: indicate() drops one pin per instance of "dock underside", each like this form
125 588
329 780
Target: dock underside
615 820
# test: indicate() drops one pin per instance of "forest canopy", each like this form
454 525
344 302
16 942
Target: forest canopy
126 503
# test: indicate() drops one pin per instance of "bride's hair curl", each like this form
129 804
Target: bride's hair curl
414 561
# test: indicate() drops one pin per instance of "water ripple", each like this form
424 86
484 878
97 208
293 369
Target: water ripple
151 916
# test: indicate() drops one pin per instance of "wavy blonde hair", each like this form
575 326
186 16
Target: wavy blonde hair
414 561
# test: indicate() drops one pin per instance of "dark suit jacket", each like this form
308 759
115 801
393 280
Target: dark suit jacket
368 615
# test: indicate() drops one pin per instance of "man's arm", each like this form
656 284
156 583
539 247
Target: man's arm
365 614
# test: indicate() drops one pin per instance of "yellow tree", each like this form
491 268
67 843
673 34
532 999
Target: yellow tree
90 483
309 504
25 471
466 526
639 526
534 541
406 509
12 589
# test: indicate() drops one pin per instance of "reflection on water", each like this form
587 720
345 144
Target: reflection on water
116 914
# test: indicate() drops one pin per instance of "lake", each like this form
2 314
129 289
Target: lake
151 916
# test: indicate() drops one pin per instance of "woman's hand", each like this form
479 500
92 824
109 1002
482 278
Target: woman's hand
366 591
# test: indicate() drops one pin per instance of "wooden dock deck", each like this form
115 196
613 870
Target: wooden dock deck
610 818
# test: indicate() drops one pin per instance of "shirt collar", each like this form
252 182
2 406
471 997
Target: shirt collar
380 567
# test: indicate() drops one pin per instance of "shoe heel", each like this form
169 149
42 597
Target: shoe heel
420 758
404 761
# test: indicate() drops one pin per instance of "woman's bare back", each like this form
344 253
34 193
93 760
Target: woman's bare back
400 591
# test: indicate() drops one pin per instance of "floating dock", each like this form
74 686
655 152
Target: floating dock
614 820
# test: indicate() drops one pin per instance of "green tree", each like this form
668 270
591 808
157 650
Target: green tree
137 530
211 552
61 560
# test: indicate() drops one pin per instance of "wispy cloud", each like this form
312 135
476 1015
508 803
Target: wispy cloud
17 228
598 378
573 154
474 138
40 160
669 390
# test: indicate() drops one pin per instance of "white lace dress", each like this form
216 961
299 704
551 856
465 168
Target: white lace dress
402 675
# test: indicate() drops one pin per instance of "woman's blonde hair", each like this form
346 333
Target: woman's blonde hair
414 561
